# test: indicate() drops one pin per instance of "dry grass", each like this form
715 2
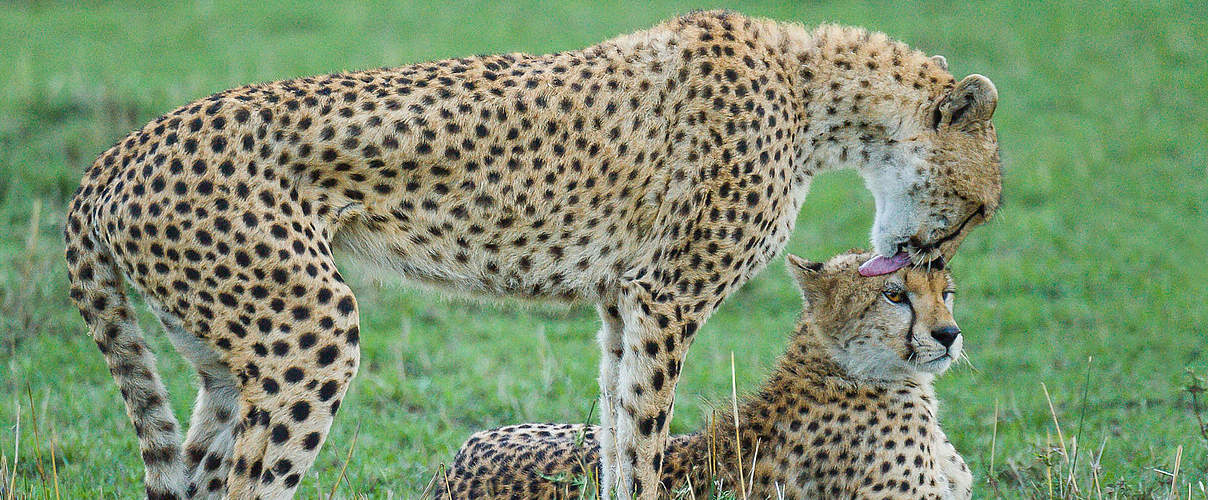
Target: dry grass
1061 468
44 483
1055 472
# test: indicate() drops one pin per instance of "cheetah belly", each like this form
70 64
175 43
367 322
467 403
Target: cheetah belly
537 265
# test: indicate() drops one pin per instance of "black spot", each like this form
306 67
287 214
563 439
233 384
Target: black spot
280 433
311 441
328 390
346 306
307 340
300 411
327 355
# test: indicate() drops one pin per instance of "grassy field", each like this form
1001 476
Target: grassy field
1090 284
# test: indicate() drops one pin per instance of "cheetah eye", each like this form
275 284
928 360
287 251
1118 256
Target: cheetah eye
896 296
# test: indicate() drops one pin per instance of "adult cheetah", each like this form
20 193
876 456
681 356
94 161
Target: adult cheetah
650 175
848 412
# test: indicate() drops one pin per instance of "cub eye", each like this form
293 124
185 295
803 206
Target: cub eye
948 295
895 296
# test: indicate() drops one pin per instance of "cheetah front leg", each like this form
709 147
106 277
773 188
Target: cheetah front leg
656 333
960 479
610 367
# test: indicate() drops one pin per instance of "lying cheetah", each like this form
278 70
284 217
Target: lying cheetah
650 175
849 411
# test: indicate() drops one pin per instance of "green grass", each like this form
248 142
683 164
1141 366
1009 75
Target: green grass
1098 252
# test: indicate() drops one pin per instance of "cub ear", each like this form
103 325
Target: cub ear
940 61
804 271
972 102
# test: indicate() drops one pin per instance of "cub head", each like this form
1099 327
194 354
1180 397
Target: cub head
942 178
880 327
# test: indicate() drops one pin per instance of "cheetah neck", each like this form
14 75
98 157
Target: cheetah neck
862 93
806 376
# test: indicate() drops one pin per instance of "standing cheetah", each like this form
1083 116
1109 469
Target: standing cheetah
650 175
848 412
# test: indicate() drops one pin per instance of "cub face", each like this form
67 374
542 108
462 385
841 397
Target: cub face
881 327
942 179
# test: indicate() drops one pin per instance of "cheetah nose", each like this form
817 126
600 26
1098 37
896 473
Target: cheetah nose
946 335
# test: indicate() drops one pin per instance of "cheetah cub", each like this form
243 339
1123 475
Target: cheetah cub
848 412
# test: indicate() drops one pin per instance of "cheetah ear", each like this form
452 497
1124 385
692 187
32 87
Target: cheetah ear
804 271
972 102
940 61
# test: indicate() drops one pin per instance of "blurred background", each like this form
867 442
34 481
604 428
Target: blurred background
1083 302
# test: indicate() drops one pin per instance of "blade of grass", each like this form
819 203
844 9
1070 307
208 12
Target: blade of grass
37 441
12 482
344 467
751 480
1048 477
445 473
3 474
35 219
54 467
1053 412
1174 478
994 439
1095 471
1081 420
432 482
737 438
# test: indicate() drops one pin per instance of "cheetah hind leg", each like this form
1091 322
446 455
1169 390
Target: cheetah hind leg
609 339
209 441
96 288
279 435
287 406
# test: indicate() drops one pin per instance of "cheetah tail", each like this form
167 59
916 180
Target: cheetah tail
96 289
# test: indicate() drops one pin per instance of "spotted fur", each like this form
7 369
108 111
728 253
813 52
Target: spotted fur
827 423
650 175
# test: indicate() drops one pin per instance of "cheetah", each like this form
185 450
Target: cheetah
650 175
848 412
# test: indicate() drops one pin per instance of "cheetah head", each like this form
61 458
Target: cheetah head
943 175
881 327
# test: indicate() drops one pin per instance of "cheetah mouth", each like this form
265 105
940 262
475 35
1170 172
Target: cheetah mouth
924 253
912 251
935 363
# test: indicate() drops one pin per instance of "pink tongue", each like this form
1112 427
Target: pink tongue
884 265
